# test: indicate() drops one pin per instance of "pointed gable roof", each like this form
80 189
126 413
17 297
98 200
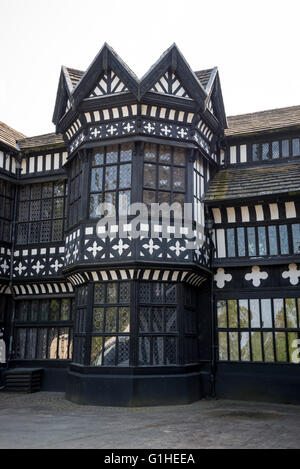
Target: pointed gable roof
172 59
106 59
170 75
9 136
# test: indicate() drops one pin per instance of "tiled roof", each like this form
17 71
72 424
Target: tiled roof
263 121
262 181
74 76
46 140
9 136
204 76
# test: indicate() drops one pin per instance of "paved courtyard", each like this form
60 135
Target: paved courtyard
47 420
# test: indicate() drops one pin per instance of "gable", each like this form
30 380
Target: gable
109 83
169 83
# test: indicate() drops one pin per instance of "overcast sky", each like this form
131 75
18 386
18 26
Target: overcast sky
255 45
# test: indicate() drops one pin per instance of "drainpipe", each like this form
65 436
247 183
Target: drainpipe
13 243
209 226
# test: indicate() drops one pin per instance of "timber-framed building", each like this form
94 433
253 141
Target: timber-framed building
149 320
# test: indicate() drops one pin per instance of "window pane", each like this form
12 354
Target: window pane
109 355
245 346
165 154
265 151
158 320
278 313
241 242
179 156
296 237
291 312
256 346
221 312
150 175
149 197
223 354
255 152
52 343
125 176
251 241
262 242
275 150
243 313
63 342
96 353
123 351
126 152
281 355
178 179
284 245
254 313
110 177
230 242
98 320
124 319
95 200
273 240
150 152
234 345
54 310
285 148
164 177
268 346
296 147
112 296
112 154
232 313
266 313
111 320
96 180
145 320
98 158
65 309
293 343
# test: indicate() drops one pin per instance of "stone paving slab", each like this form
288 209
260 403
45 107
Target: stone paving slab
48 420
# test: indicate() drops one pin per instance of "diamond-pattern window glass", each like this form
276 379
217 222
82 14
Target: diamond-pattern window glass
110 175
37 204
275 150
111 323
43 339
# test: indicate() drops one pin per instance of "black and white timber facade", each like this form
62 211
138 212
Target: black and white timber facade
126 320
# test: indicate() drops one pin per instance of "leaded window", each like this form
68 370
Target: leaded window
75 191
158 329
164 174
44 329
111 178
254 241
286 148
7 192
41 212
259 330
111 324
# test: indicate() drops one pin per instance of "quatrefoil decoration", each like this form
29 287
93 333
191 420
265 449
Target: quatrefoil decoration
220 278
293 273
256 276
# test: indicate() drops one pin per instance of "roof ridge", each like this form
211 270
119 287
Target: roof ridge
264 111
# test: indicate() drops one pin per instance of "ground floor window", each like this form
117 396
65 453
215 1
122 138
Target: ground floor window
259 330
43 329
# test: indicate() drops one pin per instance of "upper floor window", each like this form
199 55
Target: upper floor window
111 178
258 241
75 191
6 209
277 149
41 212
164 174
